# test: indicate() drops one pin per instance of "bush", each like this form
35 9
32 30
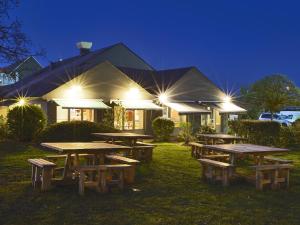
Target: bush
73 131
162 128
289 137
206 130
185 133
256 131
24 123
3 128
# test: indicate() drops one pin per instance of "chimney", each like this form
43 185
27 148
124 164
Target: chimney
84 47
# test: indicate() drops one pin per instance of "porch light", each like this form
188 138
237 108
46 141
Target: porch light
227 99
133 94
163 98
21 102
74 91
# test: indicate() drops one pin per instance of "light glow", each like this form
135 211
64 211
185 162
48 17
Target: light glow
74 92
133 94
227 99
163 98
21 102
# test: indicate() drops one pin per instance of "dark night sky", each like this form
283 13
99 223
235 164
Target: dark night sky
233 42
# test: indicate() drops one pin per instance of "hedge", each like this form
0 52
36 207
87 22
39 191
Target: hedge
73 131
256 131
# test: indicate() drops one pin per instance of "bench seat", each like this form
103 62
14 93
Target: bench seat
41 173
101 177
277 160
274 175
216 171
130 172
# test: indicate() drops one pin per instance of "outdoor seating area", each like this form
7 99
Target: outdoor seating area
100 165
220 161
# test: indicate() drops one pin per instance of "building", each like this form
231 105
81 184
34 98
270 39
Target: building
114 79
16 71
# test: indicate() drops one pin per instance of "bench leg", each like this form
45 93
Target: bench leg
259 177
130 174
47 174
33 169
225 179
121 179
37 177
102 182
81 182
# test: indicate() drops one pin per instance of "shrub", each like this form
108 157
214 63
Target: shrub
162 128
206 130
257 132
73 131
185 133
24 123
288 137
3 128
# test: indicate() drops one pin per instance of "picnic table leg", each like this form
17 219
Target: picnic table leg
232 162
67 167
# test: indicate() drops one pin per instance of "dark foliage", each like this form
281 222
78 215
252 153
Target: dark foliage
73 131
25 123
162 128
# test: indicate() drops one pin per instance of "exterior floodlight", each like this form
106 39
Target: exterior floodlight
133 93
21 102
74 92
227 99
163 98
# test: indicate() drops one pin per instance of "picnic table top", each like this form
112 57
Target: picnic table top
221 136
123 135
245 149
76 147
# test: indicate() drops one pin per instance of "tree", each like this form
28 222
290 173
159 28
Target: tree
15 46
271 94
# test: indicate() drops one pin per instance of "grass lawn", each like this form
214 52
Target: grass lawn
171 193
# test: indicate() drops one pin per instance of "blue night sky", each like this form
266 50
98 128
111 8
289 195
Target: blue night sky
233 42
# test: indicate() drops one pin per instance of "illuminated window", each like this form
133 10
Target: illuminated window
139 119
128 123
128 119
75 114
88 115
61 114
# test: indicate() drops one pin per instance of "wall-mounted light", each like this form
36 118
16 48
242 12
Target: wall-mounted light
163 98
74 91
21 102
132 94
227 99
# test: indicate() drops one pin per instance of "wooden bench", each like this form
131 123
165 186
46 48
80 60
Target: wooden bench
101 177
216 171
273 175
42 173
277 160
196 150
142 152
218 157
130 172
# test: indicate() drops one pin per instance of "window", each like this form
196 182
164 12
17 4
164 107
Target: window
74 114
61 114
177 118
128 123
139 119
128 119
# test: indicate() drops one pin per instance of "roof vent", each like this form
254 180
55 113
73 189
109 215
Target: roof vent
84 47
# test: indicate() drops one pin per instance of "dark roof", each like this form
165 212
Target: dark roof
54 75
155 81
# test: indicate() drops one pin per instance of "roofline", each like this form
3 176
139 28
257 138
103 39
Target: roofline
121 43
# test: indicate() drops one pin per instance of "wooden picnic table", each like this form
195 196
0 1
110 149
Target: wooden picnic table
226 137
98 149
131 137
257 151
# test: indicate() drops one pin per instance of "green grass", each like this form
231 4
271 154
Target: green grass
171 193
